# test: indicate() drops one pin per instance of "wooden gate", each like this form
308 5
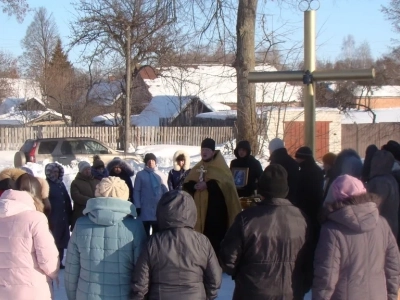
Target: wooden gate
294 137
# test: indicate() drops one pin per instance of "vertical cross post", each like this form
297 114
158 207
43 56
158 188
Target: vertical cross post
309 88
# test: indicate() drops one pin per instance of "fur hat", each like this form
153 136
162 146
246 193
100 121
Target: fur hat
329 158
346 186
273 182
149 156
83 165
97 162
208 143
113 187
275 144
303 153
393 147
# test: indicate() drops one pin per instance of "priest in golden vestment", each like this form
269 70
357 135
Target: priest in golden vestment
211 184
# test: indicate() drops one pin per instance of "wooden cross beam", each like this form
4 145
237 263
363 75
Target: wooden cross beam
309 77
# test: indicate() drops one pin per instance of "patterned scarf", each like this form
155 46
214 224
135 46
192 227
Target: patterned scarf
49 172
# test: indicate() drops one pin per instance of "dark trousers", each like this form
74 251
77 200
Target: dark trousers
61 254
153 225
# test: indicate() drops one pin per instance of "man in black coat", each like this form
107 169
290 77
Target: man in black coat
280 156
244 159
310 192
268 248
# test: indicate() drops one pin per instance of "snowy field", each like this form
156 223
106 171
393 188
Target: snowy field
164 154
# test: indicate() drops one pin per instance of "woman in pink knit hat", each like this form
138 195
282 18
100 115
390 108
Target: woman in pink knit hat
357 255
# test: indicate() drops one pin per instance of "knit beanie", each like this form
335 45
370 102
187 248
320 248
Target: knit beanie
273 182
346 186
303 153
113 187
149 156
97 162
275 144
208 143
83 165
329 158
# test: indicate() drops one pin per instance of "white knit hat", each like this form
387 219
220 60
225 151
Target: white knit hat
113 187
275 144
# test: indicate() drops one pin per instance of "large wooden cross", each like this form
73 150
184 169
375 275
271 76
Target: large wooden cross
309 76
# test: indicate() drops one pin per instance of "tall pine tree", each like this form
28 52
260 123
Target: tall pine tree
61 92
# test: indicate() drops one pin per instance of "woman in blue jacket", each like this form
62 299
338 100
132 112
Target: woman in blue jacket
104 245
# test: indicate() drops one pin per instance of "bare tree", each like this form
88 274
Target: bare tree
245 63
17 8
8 69
38 44
392 13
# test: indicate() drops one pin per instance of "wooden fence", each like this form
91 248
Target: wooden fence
12 138
359 136
356 136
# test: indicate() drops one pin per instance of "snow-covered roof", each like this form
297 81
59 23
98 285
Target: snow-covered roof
106 92
364 117
160 107
217 84
23 117
378 92
232 114
108 119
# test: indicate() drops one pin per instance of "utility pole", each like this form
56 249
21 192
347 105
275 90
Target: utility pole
128 89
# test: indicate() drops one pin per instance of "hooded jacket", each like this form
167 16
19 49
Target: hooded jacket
61 208
177 175
382 183
252 164
82 189
281 157
357 255
178 262
28 256
268 251
347 162
103 250
126 173
150 185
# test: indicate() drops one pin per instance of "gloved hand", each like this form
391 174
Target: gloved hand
138 211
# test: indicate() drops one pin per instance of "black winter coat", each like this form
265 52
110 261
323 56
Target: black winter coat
254 166
310 192
61 213
178 262
267 251
176 179
281 157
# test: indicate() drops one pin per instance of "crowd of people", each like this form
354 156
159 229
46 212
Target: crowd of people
333 230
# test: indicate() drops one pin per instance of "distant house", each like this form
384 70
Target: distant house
28 112
109 93
378 97
217 84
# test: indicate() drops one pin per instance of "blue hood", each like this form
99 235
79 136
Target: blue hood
108 211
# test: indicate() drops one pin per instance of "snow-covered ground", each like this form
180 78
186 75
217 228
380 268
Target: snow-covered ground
164 154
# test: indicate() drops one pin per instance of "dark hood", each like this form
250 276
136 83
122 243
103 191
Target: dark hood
347 162
125 167
244 145
382 163
176 209
359 213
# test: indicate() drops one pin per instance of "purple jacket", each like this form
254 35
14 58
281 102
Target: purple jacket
357 255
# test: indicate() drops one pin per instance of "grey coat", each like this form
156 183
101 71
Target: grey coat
382 182
357 255
178 262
